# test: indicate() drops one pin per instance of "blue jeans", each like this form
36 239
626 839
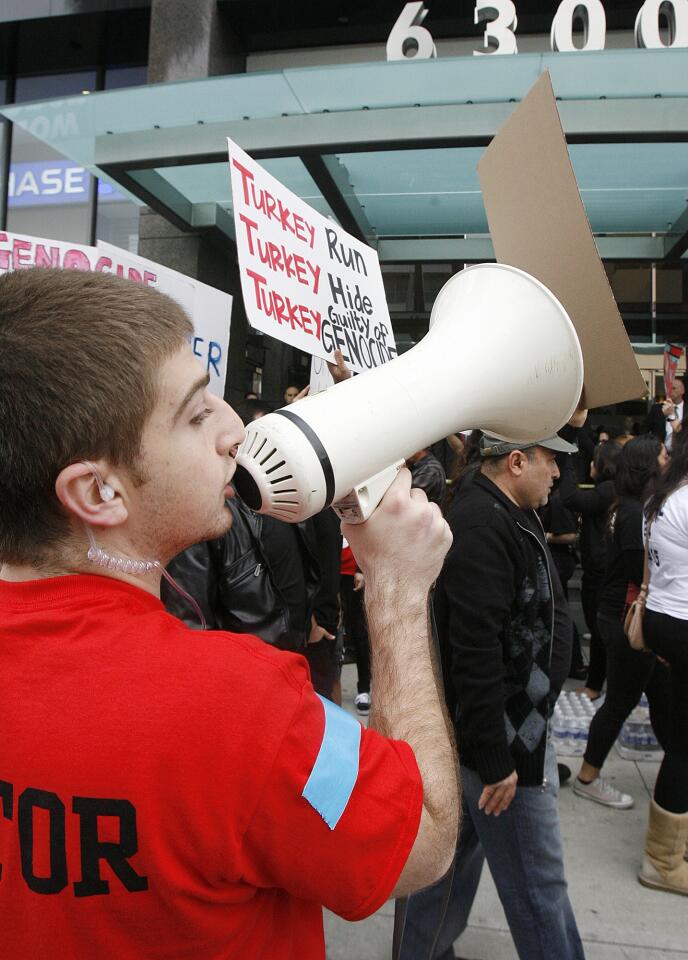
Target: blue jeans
524 853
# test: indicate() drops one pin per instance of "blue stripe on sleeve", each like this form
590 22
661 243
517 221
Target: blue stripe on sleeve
335 771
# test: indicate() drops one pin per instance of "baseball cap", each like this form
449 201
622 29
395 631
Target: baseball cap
492 447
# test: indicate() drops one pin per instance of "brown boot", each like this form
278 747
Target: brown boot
663 865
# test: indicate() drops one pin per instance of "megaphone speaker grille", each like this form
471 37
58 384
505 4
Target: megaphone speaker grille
261 458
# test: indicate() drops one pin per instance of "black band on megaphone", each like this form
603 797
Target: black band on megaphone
320 452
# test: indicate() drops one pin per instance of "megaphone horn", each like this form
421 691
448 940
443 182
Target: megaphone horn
501 355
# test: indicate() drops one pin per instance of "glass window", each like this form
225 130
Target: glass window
118 77
638 326
672 328
630 284
670 284
399 287
117 215
48 196
435 275
117 218
4 132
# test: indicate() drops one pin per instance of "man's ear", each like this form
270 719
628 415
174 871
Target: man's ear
80 493
515 462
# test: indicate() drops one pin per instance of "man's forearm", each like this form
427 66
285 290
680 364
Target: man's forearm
408 703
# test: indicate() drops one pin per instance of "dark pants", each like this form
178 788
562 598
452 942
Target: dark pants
356 629
668 638
325 662
629 673
590 593
565 560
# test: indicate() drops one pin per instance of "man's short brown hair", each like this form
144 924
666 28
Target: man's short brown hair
79 360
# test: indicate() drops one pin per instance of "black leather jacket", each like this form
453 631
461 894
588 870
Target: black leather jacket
232 582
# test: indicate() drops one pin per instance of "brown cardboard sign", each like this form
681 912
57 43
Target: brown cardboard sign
538 223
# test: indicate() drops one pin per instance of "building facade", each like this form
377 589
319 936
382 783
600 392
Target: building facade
376 114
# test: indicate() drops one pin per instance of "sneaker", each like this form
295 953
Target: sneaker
564 773
601 791
362 702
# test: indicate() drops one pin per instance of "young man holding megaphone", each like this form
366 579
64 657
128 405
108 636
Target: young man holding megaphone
167 793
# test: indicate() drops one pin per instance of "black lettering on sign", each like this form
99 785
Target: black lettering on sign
30 800
6 797
94 850
347 256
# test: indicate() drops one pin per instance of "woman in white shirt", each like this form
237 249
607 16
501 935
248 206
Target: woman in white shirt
665 627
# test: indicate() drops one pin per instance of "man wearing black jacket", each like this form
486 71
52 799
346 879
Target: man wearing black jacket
244 580
495 607
662 415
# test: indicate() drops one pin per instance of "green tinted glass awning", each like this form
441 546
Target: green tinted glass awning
391 149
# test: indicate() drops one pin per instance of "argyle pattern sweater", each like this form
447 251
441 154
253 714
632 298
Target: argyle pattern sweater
494 612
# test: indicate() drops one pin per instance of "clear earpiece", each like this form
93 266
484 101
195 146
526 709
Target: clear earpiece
104 489
136 568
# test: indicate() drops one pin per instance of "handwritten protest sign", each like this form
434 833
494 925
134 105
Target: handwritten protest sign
19 252
208 308
305 280
321 378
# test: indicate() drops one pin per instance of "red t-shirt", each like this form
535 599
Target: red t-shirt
152 781
348 565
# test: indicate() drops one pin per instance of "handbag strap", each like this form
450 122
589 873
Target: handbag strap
646 565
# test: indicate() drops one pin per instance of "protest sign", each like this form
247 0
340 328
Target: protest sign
19 252
321 378
209 309
538 223
672 354
305 280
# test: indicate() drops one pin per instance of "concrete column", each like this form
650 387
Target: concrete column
189 40
161 241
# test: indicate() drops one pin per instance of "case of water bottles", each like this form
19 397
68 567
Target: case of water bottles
637 740
571 720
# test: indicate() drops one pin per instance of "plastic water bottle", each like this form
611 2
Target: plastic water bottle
558 731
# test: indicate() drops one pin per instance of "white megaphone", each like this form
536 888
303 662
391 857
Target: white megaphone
501 355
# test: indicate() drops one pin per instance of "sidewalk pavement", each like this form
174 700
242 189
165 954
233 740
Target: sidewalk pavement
618 918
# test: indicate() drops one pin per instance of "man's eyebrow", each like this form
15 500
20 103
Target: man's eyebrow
198 385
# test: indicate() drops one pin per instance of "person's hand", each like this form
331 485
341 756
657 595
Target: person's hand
339 370
496 797
402 546
456 444
302 393
668 408
579 417
359 581
318 633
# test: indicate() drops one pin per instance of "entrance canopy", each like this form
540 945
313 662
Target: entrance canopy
390 149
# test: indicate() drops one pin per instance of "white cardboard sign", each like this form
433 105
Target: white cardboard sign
305 280
321 378
208 308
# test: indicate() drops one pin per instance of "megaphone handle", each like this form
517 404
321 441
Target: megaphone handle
358 505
